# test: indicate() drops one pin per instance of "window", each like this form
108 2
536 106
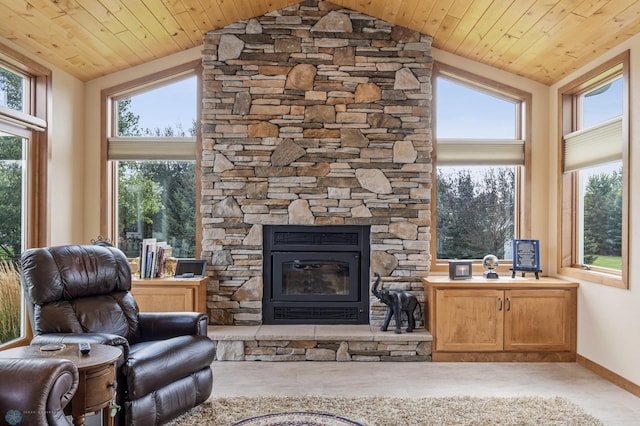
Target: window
480 166
151 162
24 88
593 237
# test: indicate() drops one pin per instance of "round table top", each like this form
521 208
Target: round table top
99 355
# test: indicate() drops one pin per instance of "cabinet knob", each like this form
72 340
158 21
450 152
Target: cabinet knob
508 303
499 303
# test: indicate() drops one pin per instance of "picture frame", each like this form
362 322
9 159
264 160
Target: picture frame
190 268
460 269
526 256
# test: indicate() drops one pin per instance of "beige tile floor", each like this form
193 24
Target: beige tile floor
613 405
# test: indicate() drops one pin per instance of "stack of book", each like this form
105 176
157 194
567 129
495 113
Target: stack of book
152 256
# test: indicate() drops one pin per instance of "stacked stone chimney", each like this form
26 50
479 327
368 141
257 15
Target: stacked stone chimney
313 115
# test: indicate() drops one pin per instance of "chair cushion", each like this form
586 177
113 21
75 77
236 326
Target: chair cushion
152 365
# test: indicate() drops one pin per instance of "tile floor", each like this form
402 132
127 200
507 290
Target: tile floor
613 405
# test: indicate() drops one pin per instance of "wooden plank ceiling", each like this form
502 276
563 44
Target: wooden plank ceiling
543 40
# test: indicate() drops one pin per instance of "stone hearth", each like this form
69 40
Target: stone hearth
318 343
313 115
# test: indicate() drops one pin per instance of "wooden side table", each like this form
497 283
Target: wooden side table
97 376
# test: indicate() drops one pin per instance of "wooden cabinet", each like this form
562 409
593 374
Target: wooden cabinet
170 294
508 319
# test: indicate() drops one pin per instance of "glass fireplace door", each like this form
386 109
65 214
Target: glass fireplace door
320 276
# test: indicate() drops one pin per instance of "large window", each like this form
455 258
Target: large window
594 175
151 158
479 167
24 88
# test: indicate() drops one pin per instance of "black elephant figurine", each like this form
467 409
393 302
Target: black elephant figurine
397 301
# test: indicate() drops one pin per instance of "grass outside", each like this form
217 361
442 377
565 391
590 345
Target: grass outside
611 262
10 302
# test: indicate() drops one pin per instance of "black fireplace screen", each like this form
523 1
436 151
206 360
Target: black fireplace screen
319 277
316 274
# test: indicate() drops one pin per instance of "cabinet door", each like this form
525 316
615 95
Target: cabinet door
539 320
164 299
469 320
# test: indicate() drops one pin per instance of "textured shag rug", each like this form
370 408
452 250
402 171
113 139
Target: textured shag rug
380 411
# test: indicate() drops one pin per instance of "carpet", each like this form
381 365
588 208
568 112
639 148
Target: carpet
297 419
381 411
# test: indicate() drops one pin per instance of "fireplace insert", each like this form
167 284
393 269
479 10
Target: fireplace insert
316 274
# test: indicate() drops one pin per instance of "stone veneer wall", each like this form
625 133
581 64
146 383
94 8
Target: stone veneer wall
313 115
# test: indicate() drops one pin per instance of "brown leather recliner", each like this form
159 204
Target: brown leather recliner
80 293
35 391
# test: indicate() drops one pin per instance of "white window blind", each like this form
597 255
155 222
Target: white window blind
142 148
478 152
592 146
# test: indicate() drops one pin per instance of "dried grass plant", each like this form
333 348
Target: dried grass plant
10 301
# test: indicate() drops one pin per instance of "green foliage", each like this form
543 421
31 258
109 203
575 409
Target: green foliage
603 216
128 122
139 197
476 212
610 262
12 85
10 196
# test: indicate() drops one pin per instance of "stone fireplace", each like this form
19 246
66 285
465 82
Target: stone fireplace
313 115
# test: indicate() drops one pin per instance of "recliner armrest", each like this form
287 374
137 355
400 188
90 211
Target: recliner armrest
97 338
36 390
164 325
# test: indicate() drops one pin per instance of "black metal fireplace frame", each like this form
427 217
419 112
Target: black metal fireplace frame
330 241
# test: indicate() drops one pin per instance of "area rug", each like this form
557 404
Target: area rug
381 411
297 419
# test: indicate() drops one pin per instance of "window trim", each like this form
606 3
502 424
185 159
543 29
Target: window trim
34 126
523 172
108 172
568 182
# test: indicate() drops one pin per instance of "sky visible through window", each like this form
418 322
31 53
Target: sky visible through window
463 112
167 106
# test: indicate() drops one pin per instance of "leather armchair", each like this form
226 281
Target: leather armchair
35 391
81 293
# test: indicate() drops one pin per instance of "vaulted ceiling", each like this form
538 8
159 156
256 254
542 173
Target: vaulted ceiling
543 40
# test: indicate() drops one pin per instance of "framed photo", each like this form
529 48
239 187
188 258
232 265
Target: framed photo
526 255
190 268
460 269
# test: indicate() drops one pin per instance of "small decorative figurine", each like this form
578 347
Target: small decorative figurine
490 263
397 301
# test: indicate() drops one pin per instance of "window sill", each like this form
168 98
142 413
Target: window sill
597 277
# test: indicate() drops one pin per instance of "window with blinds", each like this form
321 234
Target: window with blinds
594 174
479 156
151 138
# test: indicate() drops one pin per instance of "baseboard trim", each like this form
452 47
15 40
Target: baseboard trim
609 375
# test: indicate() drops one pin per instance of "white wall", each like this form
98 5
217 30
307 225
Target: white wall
608 318
92 97
65 178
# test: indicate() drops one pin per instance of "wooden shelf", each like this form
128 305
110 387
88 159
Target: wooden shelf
508 319
170 294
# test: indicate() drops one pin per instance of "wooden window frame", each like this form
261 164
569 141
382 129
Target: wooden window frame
568 182
32 124
523 173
